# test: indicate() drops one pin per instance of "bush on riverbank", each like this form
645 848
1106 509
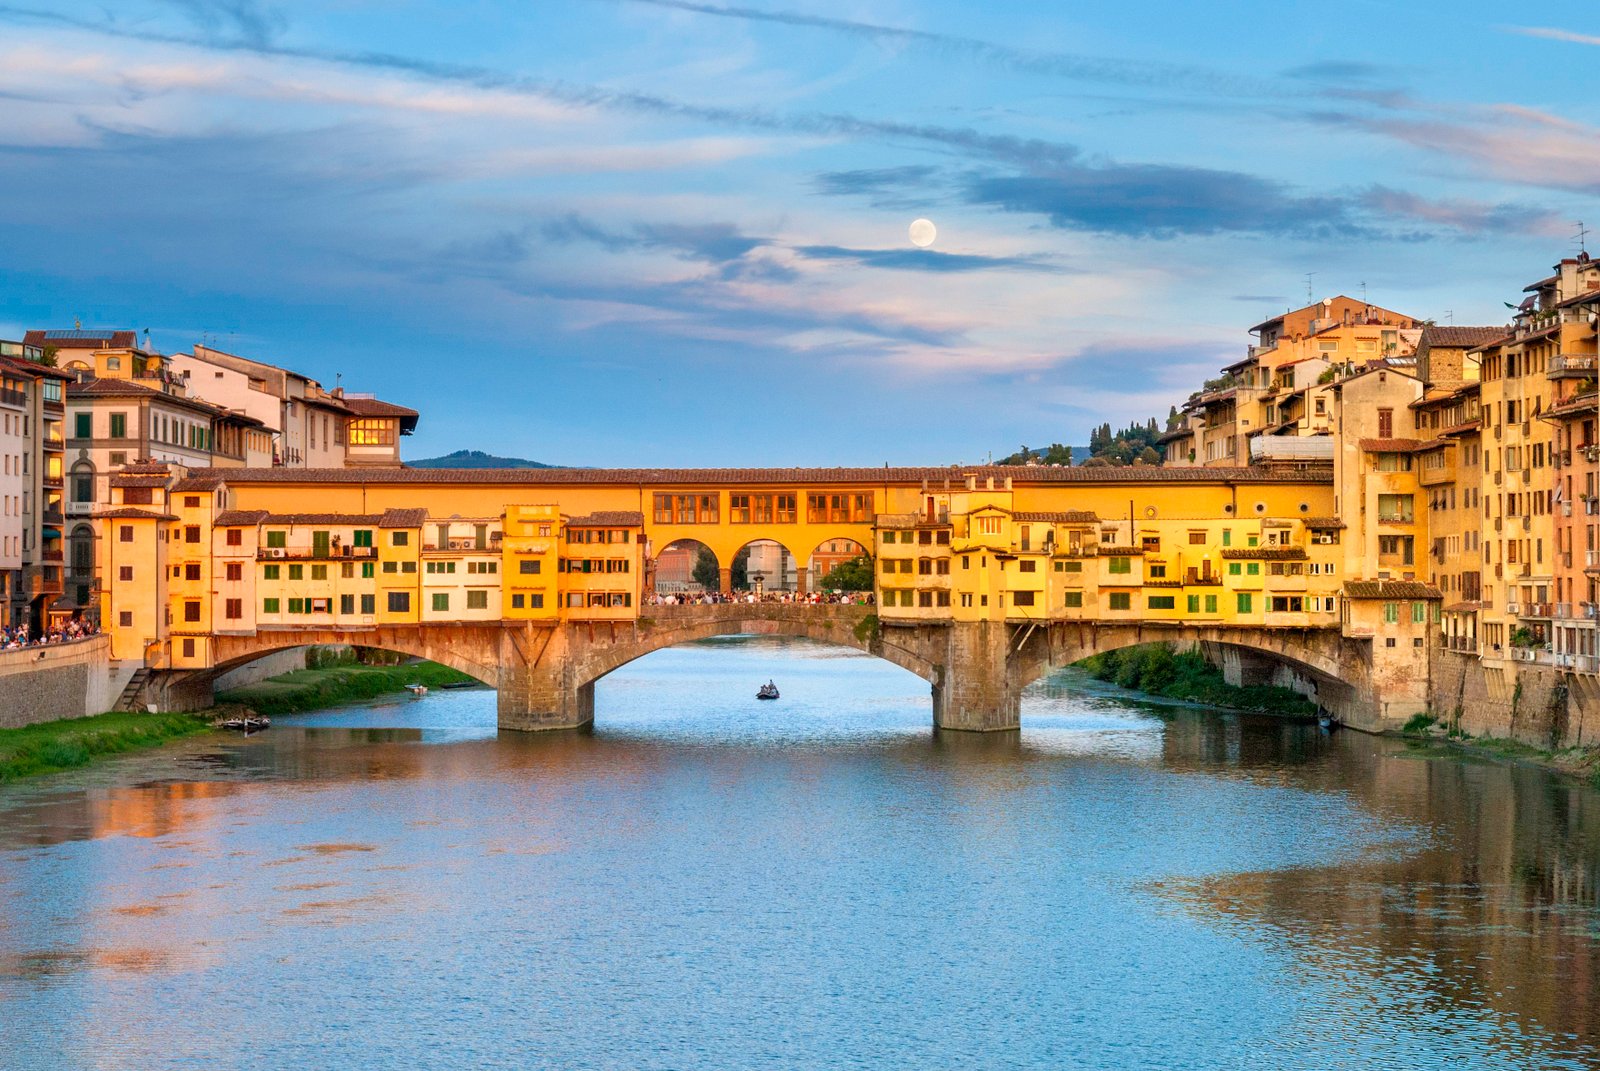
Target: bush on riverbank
64 745
309 689
1159 669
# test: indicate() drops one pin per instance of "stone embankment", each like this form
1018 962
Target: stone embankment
58 680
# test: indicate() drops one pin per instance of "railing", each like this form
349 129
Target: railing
1585 663
1570 363
14 397
278 554
1563 610
1536 609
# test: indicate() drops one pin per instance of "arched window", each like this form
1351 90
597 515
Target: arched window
83 483
81 551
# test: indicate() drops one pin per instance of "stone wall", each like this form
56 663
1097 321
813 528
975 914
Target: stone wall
272 665
67 680
1543 706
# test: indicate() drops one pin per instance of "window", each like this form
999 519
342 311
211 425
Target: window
989 525
319 572
1211 604
270 572
297 572
347 604
399 602
125 573
1022 598
441 601
370 432
1073 599
925 598
1163 602
1192 604
233 609
188 648
367 570
191 571
399 539
408 567
1024 566
477 600
528 567
369 604
82 426
125 533
297 606
119 425
391 567
1391 613
1243 602
1252 569
1197 538
1419 612
1227 537
1385 423
363 537
234 538
1119 565
739 509
269 606
125 619
1395 508
347 570
1121 600
1235 568
278 539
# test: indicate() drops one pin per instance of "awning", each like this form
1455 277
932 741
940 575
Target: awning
52 533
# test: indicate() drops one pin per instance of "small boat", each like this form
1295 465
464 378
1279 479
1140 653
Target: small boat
247 723
767 691
1326 720
418 690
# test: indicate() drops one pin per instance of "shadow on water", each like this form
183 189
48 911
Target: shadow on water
1148 883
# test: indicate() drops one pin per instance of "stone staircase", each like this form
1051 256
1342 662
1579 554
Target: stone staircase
130 691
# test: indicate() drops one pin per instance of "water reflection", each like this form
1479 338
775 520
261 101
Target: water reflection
704 880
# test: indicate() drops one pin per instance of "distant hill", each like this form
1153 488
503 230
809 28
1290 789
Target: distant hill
476 459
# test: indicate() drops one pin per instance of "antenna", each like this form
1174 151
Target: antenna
1581 237
1450 316
1309 276
1363 291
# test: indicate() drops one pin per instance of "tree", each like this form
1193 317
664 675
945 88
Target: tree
706 571
853 575
739 571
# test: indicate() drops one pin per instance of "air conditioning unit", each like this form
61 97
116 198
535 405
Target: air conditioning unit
1324 539
276 552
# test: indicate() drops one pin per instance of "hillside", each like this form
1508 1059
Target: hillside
476 459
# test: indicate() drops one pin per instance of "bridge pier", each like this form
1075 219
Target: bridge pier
975 689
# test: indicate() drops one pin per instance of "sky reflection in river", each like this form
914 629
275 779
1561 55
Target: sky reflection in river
709 881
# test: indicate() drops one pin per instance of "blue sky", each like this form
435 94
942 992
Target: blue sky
651 232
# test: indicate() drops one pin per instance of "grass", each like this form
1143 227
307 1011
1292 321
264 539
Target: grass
65 745
1159 669
309 689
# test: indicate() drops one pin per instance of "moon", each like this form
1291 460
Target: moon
923 232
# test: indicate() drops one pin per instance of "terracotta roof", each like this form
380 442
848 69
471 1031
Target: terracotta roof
240 518
37 371
1458 337
403 518
1541 284
1025 475
83 340
1268 554
372 407
1176 433
1071 516
130 513
1505 336
1323 522
1120 552
1475 424
208 482
327 401
371 519
614 518
1463 607
1391 446
1578 403
239 416
127 388
1579 299
124 480
148 468
1390 589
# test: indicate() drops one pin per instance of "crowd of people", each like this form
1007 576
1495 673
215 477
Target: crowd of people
717 598
22 636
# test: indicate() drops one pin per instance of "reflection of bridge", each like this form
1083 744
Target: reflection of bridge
545 675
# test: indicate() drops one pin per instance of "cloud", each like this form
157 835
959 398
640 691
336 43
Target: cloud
1260 299
1145 73
1466 216
1552 34
927 260
1338 71
715 243
1162 201
244 20
875 180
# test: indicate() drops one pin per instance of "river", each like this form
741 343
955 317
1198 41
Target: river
704 881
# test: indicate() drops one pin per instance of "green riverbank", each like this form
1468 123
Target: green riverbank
1430 738
1160 670
53 746
308 689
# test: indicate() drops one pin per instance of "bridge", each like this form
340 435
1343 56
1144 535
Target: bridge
540 582
545 676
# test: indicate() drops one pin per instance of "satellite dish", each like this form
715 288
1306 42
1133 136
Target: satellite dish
923 232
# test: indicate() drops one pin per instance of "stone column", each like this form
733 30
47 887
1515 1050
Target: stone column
727 579
974 691
546 693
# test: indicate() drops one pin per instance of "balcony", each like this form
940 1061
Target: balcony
308 554
1536 609
43 579
1585 663
1571 365
1464 644
56 482
1563 611
1591 611
14 397
1194 578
